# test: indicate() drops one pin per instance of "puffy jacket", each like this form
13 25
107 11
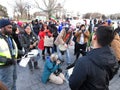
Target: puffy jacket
93 71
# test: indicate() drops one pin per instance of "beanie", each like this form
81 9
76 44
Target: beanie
4 22
20 23
109 21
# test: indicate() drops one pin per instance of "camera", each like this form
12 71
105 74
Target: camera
58 71
83 31
61 61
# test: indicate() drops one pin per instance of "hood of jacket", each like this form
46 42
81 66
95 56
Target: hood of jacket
102 57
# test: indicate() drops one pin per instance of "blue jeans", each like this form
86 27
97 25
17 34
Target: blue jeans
67 54
7 76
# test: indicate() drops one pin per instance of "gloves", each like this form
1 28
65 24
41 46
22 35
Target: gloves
10 62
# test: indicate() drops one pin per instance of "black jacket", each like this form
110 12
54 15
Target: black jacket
36 29
93 71
28 40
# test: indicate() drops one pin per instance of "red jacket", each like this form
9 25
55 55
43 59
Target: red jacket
41 42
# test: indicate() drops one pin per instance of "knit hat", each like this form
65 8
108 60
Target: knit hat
20 23
4 22
109 21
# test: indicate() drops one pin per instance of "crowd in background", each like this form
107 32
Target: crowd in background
34 34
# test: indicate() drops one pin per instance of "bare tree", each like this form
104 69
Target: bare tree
49 6
92 15
3 11
20 7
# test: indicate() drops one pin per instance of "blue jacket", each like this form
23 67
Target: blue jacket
49 68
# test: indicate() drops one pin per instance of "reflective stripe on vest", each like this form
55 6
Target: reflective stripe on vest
4 49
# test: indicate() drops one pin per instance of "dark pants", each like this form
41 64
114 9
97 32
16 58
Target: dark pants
48 51
54 48
75 48
81 48
34 62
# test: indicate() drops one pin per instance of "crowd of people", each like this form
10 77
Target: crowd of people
97 55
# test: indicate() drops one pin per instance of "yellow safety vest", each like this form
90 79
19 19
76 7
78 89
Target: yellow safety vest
4 49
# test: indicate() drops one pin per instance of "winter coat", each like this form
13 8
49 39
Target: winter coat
86 36
17 38
59 40
94 71
41 42
28 40
36 28
49 68
116 46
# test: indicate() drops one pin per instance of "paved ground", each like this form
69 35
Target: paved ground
32 81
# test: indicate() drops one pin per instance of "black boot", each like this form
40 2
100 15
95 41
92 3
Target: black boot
36 65
71 65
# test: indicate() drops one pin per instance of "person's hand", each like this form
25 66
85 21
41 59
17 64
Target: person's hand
9 62
80 31
58 62
65 45
34 44
31 46
71 43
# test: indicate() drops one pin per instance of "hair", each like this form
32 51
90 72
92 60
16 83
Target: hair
81 26
2 86
54 56
105 35
27 25
14 28
42 28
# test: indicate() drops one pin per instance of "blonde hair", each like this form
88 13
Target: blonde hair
54 56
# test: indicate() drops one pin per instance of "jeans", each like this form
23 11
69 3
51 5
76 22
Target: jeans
34 61
67 54
7 76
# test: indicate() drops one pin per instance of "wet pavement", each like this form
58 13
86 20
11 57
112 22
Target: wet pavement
32 81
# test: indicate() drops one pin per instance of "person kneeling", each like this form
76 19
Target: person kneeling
52 71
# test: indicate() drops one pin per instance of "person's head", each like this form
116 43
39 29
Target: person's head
45 26
54 57
27 29
2 86
109 22
102 37
20 24
15 29
82 27
67 27
5 26
36 21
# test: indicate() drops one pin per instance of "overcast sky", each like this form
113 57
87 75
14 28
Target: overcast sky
82 6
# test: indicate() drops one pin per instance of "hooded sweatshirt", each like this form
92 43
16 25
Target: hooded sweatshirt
94 71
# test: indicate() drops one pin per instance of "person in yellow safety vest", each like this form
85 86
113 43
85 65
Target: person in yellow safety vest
8 54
